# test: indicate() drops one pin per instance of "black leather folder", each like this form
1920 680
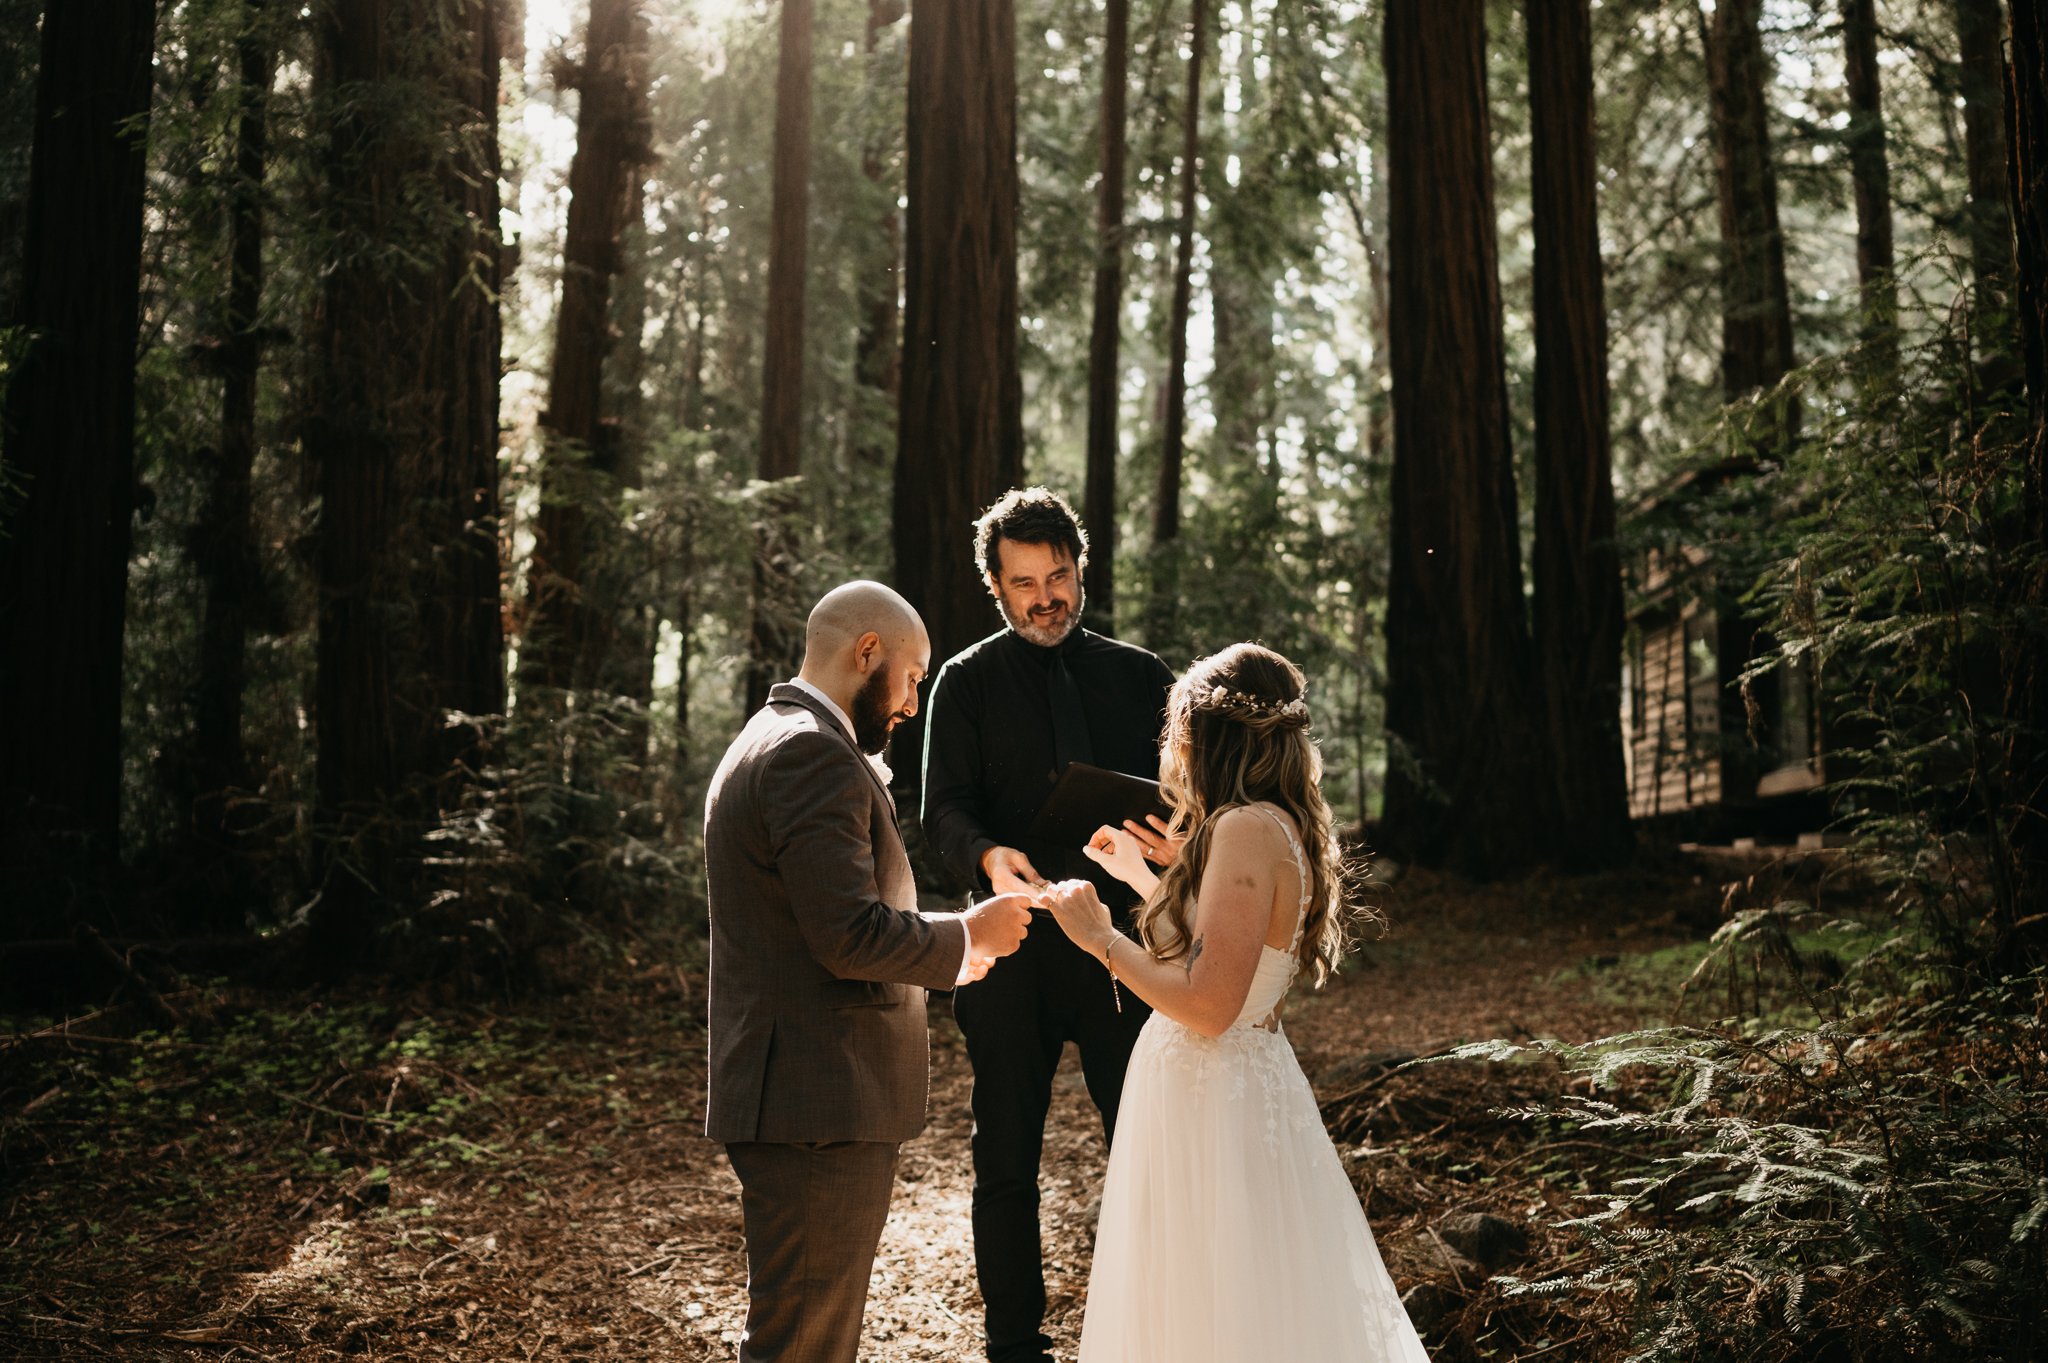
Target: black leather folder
1085 798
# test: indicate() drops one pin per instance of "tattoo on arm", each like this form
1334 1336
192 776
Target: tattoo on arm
1194 954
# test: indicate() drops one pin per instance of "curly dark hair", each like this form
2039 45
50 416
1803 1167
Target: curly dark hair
1028 515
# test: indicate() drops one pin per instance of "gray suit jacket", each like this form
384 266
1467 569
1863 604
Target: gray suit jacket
819 957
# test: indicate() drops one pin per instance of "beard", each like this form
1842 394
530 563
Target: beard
1048 630
872 718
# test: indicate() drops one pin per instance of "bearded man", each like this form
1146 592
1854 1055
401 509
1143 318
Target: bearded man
1006 716
820 958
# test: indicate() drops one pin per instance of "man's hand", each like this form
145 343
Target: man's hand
1159 846
1011 872
996 927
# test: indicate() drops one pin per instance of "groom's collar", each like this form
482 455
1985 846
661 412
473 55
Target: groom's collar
826 703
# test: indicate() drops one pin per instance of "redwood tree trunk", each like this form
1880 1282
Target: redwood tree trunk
1099 500
1756 307
876 358
2027 108
1166 505
405 437
960 433
782 363
226 549
567 627
1241 383
1979 24
1464 786
1578 599
1870 171
775 635
69 467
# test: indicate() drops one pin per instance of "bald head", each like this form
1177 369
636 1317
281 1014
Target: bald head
847 612
865 647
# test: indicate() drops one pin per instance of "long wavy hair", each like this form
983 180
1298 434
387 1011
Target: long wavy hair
1237 732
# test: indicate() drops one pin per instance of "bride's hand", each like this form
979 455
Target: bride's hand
1123 856
1157 845
1080 913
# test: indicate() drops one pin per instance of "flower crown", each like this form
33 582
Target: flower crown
1244 705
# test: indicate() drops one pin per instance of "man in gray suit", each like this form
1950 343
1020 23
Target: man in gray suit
820 959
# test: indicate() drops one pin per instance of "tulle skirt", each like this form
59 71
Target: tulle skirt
1229 1232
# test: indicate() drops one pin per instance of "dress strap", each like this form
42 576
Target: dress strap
1295 854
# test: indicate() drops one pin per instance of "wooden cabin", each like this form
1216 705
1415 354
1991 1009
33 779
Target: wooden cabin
1700 751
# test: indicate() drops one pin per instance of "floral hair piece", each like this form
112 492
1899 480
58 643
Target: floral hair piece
1244 705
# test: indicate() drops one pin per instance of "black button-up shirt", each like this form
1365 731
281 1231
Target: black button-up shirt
988 750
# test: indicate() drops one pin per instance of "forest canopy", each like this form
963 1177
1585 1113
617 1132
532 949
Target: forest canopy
507 380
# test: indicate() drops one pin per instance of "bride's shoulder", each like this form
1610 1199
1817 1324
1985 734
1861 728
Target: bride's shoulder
1254 824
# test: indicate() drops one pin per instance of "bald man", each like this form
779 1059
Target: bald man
819 964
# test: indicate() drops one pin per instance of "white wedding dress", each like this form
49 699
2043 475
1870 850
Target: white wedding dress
1229 1232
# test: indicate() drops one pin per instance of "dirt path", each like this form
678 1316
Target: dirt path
580 1215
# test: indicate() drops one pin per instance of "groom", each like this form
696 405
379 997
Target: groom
819 965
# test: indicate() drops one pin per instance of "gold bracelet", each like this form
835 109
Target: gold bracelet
1108 947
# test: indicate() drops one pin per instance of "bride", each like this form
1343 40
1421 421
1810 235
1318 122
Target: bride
1229 1232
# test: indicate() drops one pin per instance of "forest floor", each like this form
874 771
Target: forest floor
291 1178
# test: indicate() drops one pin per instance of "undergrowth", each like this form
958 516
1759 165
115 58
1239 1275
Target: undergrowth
1840 1150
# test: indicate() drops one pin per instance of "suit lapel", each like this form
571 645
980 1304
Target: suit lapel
786 694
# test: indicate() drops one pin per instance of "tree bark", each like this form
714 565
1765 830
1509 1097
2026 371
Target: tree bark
567 626
876 358
226 556
1979 24
1870 173
1240 383
2027 676
1756 305
1465 788
1099 503
405 437
68 477
775 633
1166 504
960 433
1577 566
782 368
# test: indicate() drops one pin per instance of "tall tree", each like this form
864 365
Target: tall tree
1756 304
68 475
776 635
1166 501
960 433
405 438
226 551
1577 565
876 358
2027 680
1099 505
1870 172
1464 786
568 627
1243 263
1979 26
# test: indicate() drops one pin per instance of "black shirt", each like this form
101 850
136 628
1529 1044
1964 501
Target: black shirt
988 749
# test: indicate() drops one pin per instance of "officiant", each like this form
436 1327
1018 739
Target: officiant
1005 717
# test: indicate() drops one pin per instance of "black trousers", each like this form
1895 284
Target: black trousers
813 1216
1016 1021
